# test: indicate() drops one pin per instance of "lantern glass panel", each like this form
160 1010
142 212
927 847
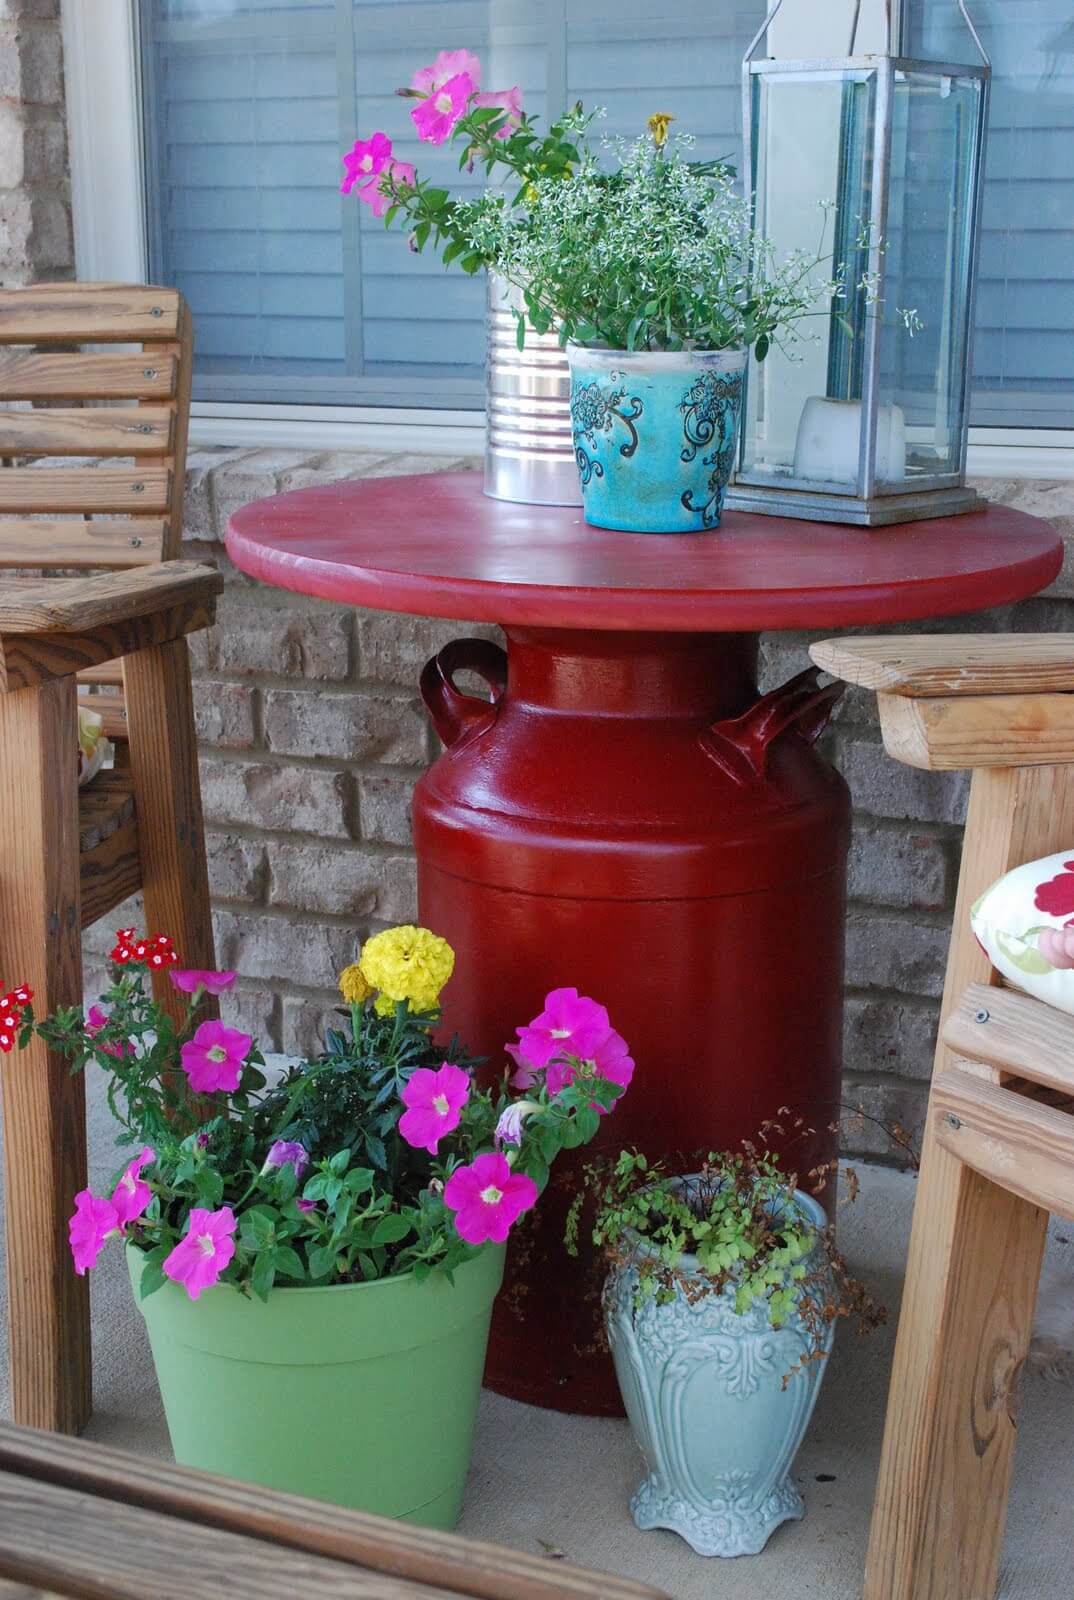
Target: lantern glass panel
813 134
928 239
883 158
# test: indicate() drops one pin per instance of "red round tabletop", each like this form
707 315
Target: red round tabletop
435 545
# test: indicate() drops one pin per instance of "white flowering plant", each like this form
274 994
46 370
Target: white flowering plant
658 254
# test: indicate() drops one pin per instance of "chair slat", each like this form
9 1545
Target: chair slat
89 489
103 807
64 375
25 542
110 872
102 431
90 313
1025 1147
1014 1033
110 672
952 664
988 730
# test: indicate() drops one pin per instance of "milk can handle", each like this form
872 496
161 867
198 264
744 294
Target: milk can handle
741 744
455 714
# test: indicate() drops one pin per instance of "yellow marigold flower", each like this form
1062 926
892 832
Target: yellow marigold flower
353 984
409 964
658 127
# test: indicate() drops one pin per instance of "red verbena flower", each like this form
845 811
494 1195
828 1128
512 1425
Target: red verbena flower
11 1008
154 951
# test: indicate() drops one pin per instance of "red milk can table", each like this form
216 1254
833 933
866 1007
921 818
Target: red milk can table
622 812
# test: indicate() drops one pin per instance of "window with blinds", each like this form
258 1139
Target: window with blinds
298 293
1023 353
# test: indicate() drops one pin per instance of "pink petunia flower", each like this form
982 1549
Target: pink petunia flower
487 1197
434 1102
570 1024
373 195
94 1219
306 1205
288 1152
366 158
96 1020
191 979
214 1058
132 1194
204 1251
435 118
509 100
448 64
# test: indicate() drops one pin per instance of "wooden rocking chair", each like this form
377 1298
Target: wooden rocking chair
998 1149
68 857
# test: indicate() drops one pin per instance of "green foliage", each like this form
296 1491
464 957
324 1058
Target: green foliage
736 1218
368 1205
733 1225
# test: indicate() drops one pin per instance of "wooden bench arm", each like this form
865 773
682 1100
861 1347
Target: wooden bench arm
79 605
60 626
935 664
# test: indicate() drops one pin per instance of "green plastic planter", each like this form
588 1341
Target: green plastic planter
361 1394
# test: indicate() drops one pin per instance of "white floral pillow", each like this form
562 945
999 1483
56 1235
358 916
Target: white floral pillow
1025 924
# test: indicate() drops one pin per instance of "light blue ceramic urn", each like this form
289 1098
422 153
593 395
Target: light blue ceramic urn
654 435
704 1390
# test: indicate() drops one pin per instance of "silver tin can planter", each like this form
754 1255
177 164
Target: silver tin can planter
529 451
655 434
703 1388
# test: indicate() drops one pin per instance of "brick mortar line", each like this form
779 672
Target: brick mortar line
918 1002
252 834
216 678
232 757
911 914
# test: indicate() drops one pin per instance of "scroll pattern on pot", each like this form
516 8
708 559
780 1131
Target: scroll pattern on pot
593 411
710 410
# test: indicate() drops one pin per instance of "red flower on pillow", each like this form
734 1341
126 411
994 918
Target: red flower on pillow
1056 896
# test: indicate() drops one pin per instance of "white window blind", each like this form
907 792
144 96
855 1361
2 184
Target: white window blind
1023 354
299 294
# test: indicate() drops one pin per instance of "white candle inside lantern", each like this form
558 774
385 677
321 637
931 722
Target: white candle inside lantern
829 439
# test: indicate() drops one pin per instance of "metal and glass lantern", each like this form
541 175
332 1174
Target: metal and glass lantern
864 418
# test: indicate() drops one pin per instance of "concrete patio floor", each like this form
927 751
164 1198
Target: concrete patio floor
560 1485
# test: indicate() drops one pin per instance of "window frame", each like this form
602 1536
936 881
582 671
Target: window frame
109 217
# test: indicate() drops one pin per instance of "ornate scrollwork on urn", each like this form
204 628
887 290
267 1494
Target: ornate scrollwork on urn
719 1402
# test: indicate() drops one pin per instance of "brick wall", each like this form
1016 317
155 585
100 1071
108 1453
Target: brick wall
35 200
312 735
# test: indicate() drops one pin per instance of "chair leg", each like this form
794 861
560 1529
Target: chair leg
44 1105
167 798
967 1315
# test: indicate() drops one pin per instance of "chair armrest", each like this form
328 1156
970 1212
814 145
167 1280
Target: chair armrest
83 605
944 664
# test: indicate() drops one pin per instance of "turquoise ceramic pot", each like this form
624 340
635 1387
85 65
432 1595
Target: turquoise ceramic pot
703 1388
654 435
